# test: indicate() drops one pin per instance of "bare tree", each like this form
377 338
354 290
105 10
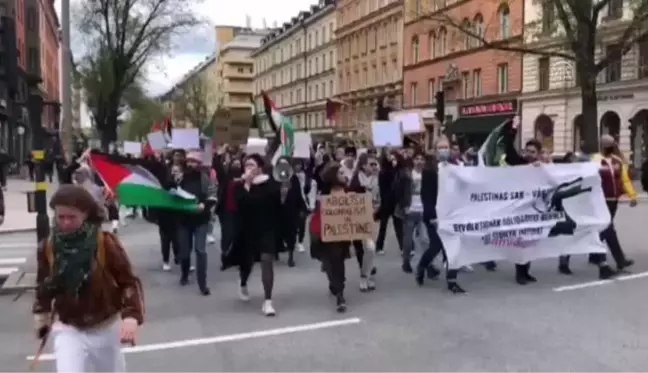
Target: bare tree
121 37
572 30
195 96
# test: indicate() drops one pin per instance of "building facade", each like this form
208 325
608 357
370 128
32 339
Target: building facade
30 51
369 41
551 98
480 85
295 66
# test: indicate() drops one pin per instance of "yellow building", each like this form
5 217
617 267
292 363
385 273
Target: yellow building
369 39
235 67
196 96
295 66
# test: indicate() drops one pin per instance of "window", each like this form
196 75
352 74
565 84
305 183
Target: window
413 94
317 39
478 26
643 59
431 91
548 17
615 9
415 50
316 71
432 45
323 62
465 84
331 91
613 70
465 25
417 8
502 78
505 22
32 19
440 44
477 83
543 73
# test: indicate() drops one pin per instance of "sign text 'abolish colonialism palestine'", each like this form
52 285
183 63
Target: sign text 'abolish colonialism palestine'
347 217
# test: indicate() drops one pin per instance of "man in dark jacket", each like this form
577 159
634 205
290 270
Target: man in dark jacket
193 226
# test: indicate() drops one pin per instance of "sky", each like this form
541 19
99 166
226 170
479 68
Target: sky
189 50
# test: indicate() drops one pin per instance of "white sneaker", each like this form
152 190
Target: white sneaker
211 239
267 308
468 269
371 283
364 286
192 268
166 267
300 248
244 294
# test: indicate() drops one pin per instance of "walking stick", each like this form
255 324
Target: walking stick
44 336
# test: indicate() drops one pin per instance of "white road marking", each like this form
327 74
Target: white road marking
15 245
6 271
227 338
12 261
590 284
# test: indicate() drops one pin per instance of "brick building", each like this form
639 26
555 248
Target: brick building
481 85
33 51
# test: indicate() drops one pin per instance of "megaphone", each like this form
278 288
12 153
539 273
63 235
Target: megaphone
282 172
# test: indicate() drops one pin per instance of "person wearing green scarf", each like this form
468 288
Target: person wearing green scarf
85 287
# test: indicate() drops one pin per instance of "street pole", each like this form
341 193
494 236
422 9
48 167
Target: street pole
35 107
66 72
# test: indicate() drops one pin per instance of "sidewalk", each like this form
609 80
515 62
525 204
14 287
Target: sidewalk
17 219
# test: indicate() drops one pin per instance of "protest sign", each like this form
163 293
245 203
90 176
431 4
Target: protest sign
347 217
386 134
520 213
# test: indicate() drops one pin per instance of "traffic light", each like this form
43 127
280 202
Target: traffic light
440 106
8 55
382 111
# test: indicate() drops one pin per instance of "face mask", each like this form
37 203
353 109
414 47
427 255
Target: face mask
443 154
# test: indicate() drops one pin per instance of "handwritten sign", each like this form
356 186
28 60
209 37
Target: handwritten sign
347 217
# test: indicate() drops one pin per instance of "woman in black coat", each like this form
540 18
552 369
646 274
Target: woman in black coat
257 201
292 207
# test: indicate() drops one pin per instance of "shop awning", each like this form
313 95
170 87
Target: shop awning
483 124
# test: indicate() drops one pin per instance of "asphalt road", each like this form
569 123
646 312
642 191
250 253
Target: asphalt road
496 326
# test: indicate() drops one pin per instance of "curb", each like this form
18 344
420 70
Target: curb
17 230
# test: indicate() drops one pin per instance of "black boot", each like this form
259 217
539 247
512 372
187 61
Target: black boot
520 278
606 272
563 265
490 266
455 288
340 303
291 259
626 263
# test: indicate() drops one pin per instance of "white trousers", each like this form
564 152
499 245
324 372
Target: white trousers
97 349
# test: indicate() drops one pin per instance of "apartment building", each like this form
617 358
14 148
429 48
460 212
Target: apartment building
205 73
370 59
33 27
236 88
295 66
551 99
480 85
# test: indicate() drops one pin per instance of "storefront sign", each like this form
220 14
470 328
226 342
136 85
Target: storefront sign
627 96
491 108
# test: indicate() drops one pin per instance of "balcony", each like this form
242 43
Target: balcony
238 87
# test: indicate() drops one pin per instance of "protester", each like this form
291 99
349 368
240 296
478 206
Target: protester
87 296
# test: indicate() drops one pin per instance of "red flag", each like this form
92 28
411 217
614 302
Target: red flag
332 108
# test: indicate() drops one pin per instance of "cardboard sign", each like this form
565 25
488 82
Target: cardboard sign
347 217
133 148
411 121
386 134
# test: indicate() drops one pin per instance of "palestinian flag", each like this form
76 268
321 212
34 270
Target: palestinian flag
333 106
281 123
492 150
136 186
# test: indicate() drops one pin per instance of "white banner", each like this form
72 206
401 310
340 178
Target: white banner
520 213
